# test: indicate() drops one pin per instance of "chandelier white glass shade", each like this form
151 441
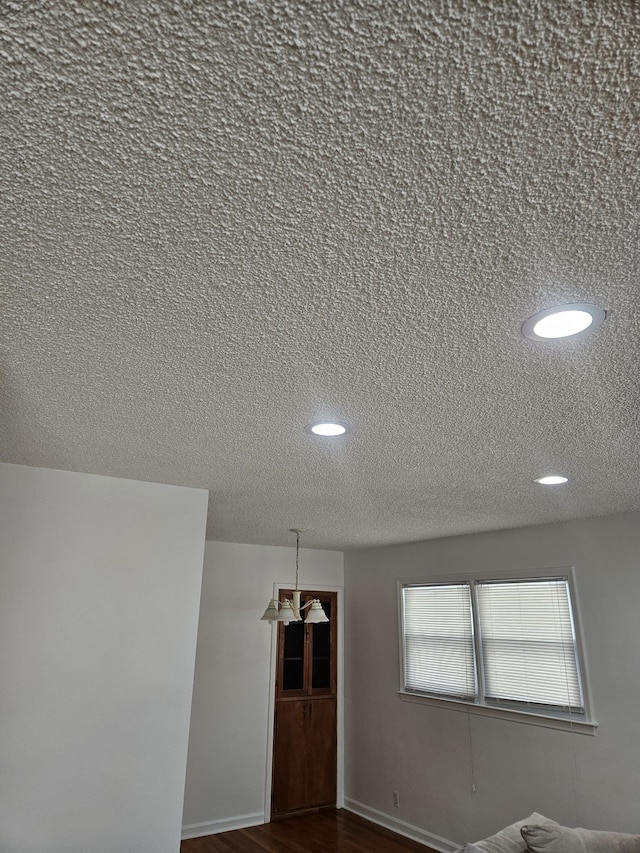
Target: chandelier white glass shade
291 610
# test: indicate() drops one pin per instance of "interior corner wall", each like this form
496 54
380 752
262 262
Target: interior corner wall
429 754
99 594
228 743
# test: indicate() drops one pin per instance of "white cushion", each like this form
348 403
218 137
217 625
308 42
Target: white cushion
548 838
509 839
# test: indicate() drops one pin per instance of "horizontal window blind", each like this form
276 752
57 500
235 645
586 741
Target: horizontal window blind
528 643
438 640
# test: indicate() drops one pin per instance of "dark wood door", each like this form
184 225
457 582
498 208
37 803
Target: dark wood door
305 736
321 755
289 759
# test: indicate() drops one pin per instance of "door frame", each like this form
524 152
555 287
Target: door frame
339 590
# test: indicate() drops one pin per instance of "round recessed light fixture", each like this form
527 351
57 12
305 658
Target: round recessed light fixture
563 321
552 480
326 428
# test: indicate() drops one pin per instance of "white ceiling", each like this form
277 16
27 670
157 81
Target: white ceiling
221 221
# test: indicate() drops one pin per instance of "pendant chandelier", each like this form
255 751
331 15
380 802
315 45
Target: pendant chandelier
290 610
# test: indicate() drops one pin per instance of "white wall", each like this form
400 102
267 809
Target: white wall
228 744
99 593
425 752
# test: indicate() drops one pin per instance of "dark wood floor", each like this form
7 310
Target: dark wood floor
330 831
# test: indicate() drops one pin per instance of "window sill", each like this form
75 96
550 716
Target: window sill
578 726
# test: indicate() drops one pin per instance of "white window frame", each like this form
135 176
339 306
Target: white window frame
548 718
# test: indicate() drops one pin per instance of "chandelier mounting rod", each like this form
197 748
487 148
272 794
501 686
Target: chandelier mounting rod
297 531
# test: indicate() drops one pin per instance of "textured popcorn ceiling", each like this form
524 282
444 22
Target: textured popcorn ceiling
223 220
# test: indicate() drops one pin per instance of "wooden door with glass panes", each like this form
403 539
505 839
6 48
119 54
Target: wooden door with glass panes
305 736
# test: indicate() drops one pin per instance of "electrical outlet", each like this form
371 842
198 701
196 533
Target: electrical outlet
396 799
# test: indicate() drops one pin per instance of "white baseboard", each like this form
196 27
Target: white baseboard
399 826
195 830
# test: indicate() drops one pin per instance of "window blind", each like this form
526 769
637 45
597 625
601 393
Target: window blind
438 640
528 643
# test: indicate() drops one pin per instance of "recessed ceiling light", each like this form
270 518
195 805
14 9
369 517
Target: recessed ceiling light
552 480
562 321
326 428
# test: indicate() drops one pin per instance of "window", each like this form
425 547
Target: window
438 640
493 643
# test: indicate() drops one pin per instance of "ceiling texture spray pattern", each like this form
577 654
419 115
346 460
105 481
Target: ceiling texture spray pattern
222 221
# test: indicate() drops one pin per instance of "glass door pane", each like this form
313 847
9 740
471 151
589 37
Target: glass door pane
321 652
293 661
